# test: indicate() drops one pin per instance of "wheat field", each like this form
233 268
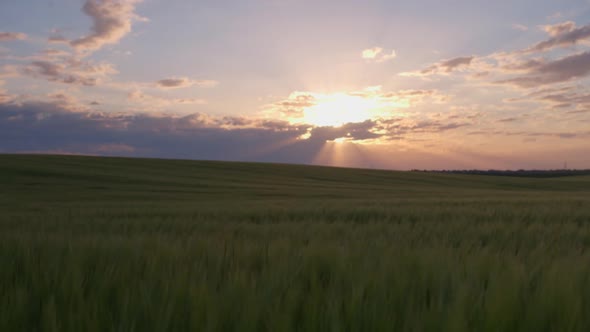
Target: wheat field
114 244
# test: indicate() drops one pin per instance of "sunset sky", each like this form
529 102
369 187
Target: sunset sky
372 83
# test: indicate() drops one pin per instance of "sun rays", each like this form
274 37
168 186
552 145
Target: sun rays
338 109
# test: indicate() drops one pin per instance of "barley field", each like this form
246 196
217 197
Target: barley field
115 244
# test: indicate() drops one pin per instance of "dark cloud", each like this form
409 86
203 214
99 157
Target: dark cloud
55 72
409 93
174 83
183 82
558 97
70 71
57 39
508 120
450 65
557 71
567 98
445 66
583 111
535 71
563 35
47 127
402 127
563 135
57 126
351 131
559 90
10 36
47 68
563 105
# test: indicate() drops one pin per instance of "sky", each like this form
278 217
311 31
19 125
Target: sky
422 84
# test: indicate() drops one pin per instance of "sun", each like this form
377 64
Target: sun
338 109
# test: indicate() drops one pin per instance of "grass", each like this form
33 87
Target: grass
113 244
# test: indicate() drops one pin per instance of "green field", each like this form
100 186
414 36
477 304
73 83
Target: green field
112 244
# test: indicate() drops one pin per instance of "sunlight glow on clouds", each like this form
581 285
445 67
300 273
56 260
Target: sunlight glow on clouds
339 108
371 53
377 54
235 81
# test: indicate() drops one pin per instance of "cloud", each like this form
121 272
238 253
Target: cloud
387 57
8 71
371 53
56 73
564 98
5 97
450 65
534 70
416 96
560 28
562 135
294 105
550 72
351 131
526 69
35 127
524 65
376 54
508 120
559 97
58 40
579 111
67 102
184 82
404 126
111 22
51 53
368 103
443 67
71 71
10 36
562 35
57 37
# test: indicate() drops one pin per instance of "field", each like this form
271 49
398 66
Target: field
112 244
